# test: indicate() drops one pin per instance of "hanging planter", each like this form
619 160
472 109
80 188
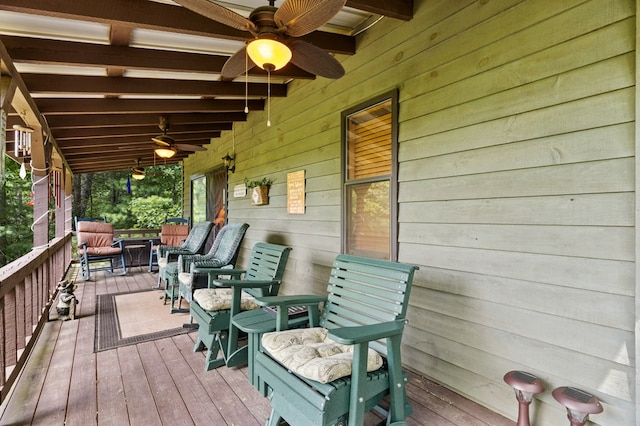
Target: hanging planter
259 190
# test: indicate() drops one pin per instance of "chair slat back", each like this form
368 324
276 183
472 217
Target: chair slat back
366 291
226 245
267 262
197 237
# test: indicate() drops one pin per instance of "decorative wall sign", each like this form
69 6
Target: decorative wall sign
295 192
240 190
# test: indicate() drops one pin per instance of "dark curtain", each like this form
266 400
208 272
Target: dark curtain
216 189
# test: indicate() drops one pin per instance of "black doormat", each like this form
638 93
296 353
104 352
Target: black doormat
107 327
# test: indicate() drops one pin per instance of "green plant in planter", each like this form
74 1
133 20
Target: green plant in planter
259 190
265 181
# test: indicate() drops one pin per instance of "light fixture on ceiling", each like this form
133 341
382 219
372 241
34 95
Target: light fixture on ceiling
163 152
138 173
268 53
166 149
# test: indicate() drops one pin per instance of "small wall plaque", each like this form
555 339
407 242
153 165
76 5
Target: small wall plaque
295 192
240 190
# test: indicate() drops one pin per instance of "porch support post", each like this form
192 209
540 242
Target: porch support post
68 200
40 176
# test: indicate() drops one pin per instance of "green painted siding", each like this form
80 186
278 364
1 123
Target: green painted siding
516 197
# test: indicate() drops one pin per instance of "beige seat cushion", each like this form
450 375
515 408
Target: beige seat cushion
218 299
162 262
309 353
185 278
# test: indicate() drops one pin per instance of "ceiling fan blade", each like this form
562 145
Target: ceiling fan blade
219 14
189 147
314 60
300 17
163 140
237 64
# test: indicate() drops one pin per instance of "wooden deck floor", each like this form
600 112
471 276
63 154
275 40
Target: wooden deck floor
162 382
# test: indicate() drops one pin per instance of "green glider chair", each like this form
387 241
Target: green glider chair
334 373
214 307
193 244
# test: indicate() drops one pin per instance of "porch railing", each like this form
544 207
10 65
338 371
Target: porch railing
27 288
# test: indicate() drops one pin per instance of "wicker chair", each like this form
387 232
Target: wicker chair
223 253
173 233
194 244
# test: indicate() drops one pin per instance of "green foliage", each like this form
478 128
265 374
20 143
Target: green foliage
265 181
99 194
150 212
16 215
151 199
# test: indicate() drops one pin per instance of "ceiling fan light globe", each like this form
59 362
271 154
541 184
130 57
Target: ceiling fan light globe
269 53
138 174
165 152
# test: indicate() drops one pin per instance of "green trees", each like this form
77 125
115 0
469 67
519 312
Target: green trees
145 206
130 203
16 215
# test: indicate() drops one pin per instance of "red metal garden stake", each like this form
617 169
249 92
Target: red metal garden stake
579 404
525 385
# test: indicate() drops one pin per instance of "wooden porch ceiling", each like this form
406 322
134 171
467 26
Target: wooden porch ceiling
101 73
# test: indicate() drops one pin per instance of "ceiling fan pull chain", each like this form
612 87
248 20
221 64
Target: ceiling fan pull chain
246 82
268 98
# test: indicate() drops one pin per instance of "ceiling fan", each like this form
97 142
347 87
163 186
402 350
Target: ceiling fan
274 30
138 172
166 146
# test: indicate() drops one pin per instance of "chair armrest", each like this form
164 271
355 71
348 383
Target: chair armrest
311 301
366 333
117 243
293 300
214 273
244 283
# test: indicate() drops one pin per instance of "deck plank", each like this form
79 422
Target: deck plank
112 405
164 382
83 387
140 403
171 407
24 398
52 404
195 396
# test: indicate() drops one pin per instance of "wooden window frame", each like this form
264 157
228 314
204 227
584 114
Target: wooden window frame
392 178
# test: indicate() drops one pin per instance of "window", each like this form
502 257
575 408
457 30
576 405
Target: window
198 199
370 178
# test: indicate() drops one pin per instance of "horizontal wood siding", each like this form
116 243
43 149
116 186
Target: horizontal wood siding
516 195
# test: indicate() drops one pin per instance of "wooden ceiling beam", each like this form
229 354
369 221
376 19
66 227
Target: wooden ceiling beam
111 120
118 86
39 51
150 130
51 106
202 138
400 9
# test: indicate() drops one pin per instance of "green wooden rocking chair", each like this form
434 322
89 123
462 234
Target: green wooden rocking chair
365 309
214 307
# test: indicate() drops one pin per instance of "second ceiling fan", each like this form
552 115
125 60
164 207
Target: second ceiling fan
274 30
166 146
